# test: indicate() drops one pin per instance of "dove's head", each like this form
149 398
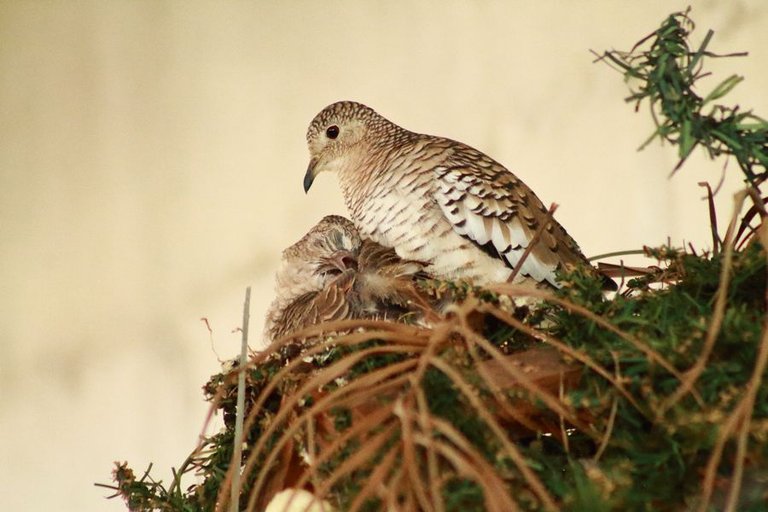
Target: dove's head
328 249
339 136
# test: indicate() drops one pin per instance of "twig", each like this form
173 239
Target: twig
616 253
563 431
432 462
391 334
409 422
608 430
317 381
602 322
376 479
544 223
716 242
749 403
565 349
742 412
466 459
514 453
210 338
234 502
525 381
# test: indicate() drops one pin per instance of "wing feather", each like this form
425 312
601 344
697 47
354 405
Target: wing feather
488 205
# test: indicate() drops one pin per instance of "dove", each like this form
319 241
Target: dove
437 201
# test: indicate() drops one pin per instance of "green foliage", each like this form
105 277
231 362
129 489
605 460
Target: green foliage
655 457
462 494
663 70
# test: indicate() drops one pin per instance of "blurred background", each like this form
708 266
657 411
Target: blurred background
151 158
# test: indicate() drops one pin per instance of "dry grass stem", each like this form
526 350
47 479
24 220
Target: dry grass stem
608 430
536 235
375 482
411 464
237 452
357 459
322 378
501 394
432 464
567 350
381 417
525 381
496 494
511 450
563 433
749 401
652 354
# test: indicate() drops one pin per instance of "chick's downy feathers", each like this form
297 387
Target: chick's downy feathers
334 274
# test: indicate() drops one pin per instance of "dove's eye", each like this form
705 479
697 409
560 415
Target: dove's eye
332 132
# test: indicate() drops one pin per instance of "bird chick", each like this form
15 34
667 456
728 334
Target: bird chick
333 274
437 200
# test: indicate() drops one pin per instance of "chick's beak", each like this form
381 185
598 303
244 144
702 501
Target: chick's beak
342 260
309 177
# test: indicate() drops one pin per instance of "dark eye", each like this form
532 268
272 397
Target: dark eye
332 132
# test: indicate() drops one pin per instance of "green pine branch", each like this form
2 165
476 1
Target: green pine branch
662 70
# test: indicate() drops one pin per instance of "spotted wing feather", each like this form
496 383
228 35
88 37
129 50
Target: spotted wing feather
487 204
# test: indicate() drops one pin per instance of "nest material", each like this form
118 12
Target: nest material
575 404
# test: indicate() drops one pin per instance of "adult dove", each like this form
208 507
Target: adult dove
437 200
331 273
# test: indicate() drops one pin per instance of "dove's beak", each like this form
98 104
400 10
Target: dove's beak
310 176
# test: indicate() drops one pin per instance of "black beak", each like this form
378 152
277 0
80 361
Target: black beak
309 177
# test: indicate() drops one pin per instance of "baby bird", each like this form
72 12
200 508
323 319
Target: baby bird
334 274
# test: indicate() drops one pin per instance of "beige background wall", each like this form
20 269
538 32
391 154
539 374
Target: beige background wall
151 157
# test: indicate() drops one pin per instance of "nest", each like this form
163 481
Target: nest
653 397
